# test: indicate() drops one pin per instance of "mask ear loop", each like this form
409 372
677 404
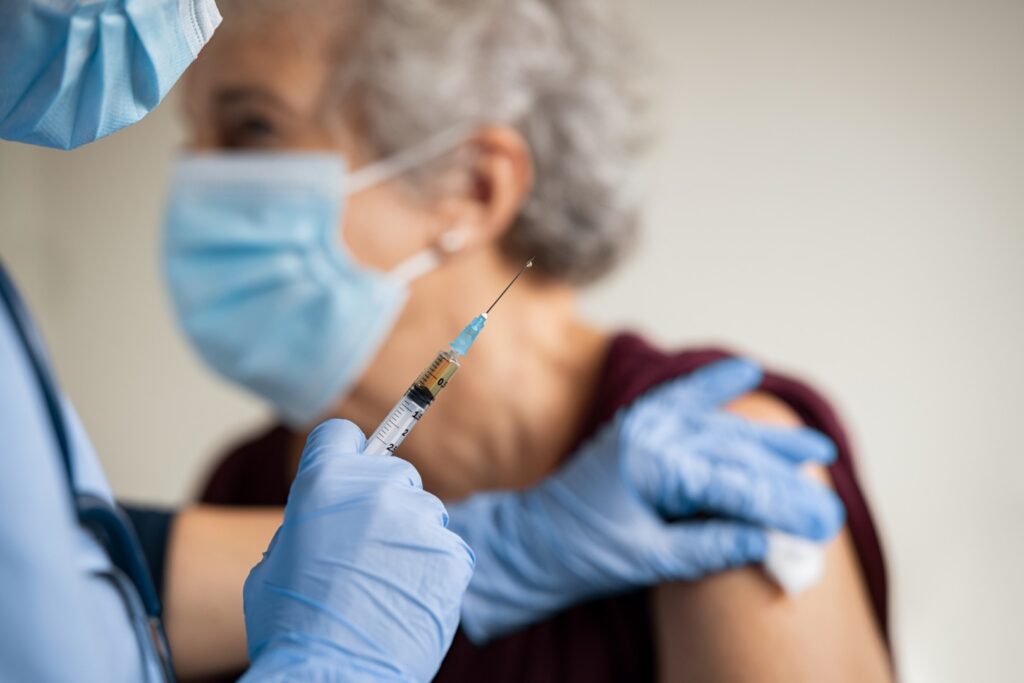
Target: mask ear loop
419 264
408 159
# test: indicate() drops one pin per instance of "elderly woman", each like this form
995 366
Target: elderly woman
506 130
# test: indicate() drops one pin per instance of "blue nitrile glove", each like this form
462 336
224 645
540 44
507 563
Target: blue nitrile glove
362 582
599 525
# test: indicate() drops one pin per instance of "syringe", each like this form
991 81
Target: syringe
410 408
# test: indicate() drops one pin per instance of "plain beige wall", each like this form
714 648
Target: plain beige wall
839 190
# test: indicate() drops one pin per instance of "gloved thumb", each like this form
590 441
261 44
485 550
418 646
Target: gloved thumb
331 438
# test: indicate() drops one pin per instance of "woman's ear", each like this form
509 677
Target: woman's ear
496 184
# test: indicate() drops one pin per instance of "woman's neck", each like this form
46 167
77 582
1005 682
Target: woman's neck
515 405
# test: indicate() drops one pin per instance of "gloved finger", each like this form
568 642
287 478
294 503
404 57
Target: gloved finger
437 539
331 438
708 547
794 444
405 510
335 439
465 551
740 480
752 485
711 386
658 413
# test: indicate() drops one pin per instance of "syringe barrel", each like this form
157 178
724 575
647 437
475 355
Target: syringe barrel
410 408
396 426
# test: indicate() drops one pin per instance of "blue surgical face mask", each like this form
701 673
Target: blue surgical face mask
261 282
73 72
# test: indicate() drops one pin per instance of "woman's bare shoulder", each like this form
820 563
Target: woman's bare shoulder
739 626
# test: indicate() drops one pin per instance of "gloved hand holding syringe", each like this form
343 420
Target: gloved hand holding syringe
793 562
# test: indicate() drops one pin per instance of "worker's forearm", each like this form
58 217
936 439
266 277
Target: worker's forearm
211 551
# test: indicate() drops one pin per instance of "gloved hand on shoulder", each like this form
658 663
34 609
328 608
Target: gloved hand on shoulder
672 489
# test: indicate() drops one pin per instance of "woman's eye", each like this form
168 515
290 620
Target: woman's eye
251 131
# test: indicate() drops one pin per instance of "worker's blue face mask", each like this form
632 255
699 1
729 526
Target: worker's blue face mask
73 72
261 282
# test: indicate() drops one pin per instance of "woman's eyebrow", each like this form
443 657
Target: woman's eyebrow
245 94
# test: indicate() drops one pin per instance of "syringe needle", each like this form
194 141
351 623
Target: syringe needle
529 264
410 408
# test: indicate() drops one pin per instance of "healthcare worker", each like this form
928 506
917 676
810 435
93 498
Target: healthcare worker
380 600
76 602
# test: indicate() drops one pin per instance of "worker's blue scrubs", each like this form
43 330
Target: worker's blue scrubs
63 614
72 71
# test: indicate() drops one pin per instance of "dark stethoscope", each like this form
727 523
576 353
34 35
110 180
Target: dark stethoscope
108 523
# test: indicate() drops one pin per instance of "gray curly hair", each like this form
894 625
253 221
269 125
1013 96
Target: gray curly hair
559 71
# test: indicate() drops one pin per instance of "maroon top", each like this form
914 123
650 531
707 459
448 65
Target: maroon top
604 640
